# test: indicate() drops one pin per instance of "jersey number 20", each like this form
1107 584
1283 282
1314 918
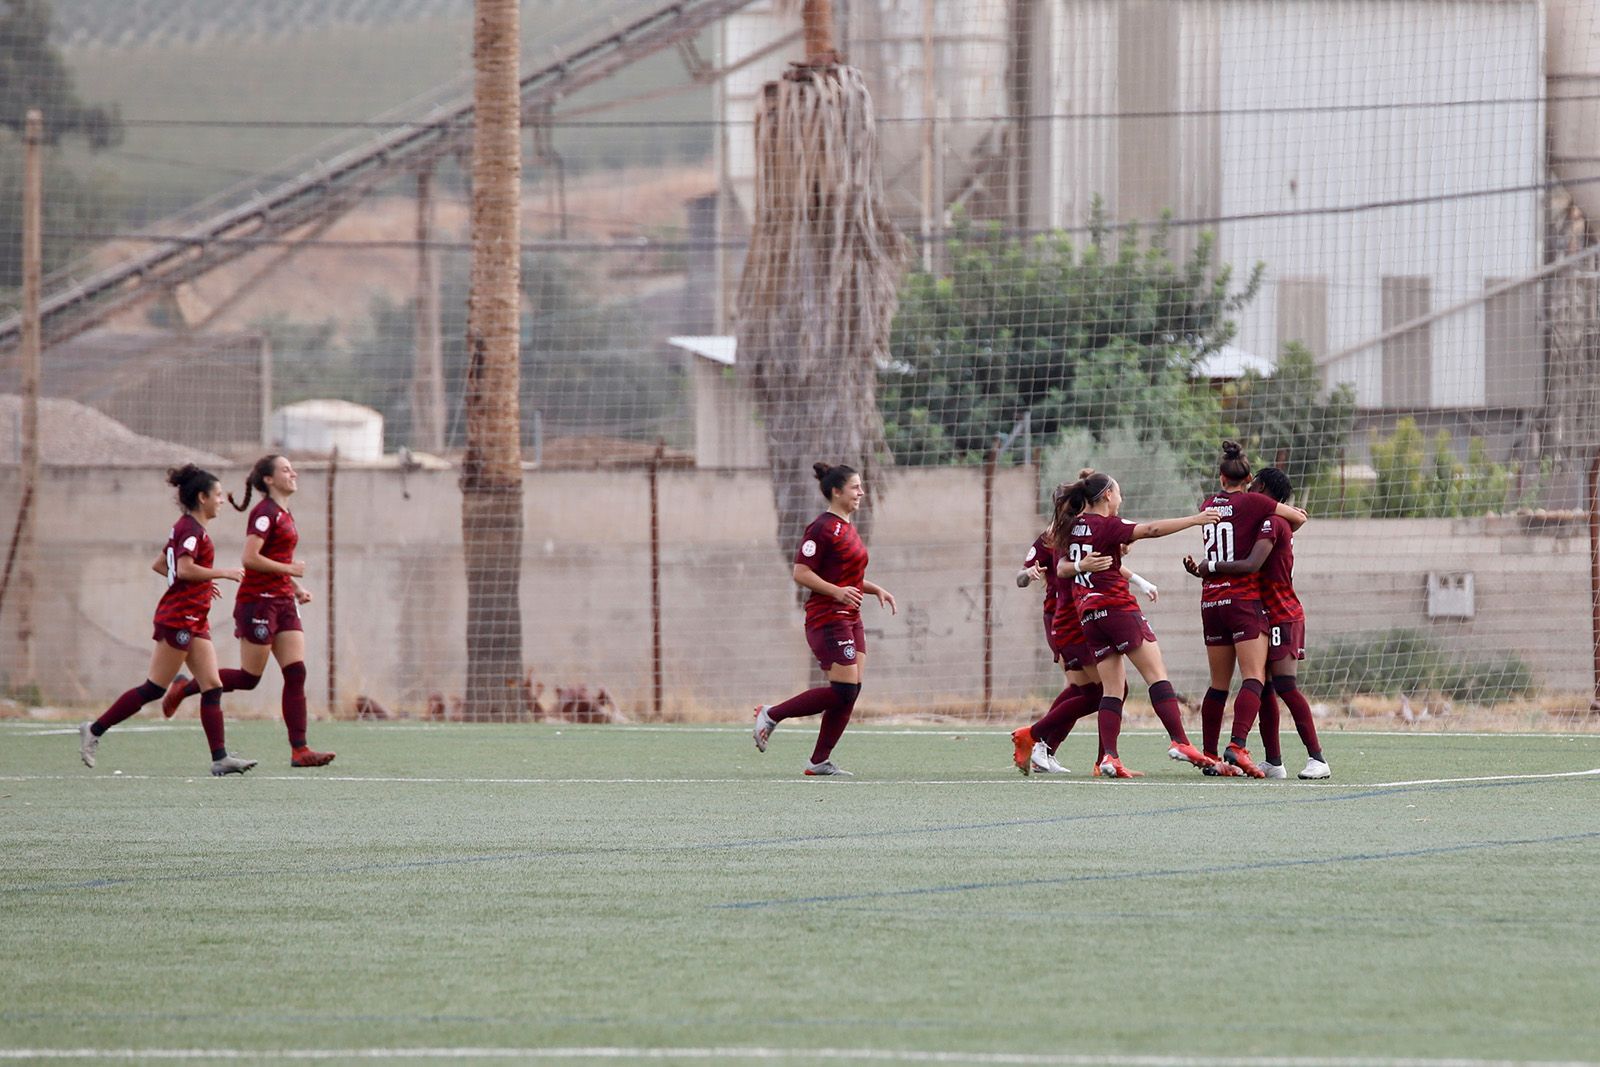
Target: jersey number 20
1218 540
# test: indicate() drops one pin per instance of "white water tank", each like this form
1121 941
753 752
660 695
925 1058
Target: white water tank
1572 68
320 426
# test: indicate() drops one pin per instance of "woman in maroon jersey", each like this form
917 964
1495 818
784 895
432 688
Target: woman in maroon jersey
1231 615
832 563
1110 615
1272 560
182 622
1033 747
266 613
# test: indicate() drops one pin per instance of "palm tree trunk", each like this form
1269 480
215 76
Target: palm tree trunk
821 279
491 471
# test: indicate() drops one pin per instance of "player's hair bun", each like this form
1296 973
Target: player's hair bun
1232 450
820 470
1086 473
177 476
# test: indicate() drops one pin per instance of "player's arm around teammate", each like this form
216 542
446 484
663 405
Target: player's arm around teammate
182 632
1111 620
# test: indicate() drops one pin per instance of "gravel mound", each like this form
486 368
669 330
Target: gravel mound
75 435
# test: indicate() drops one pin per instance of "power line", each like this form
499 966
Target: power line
1075 116
643 244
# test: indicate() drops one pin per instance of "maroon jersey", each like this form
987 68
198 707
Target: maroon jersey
1042 555
1277 574
1232 538
1108 589
275 527
833 549
186 605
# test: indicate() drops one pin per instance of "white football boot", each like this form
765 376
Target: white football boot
1316 770
826 769
1044 761
87 744
1274 770
764 727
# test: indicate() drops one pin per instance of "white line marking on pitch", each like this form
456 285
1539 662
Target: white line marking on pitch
1023 1059
808 782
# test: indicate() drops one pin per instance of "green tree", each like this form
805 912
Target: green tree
1099 336
33 75
1286 415
1402 489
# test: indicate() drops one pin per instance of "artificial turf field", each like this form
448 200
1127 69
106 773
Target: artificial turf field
665 893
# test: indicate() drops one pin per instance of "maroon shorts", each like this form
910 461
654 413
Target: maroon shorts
1230 621
1111 631
181 639
1288 641
838 641
1073 655
258 621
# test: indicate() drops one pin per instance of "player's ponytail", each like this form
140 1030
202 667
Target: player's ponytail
256 480
830 479
1233 467
192 483
1073 499
1274 483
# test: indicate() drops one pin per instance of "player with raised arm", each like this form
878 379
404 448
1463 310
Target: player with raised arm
1112 622
266 613
1272 560
1231 615
831 562
1034 747
182 622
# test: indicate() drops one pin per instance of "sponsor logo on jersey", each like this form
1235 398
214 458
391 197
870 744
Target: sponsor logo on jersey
1032 553
189 543
262 524
808 549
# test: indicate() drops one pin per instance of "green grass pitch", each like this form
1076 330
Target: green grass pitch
479 893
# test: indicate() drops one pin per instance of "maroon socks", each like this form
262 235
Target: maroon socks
1212 708
811 702
1300 709
294 703
232 681
211 721
1072 704
1271 744
1110 726
835 719
1246 706
126 706
1165 701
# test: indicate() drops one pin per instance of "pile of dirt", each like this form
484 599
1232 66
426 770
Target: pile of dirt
75 435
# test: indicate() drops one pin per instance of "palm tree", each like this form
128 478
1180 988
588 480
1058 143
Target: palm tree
820 283
491 471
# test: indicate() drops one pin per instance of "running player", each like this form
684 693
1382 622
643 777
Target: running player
266 614
182 623
1231 615
1112 621
1034 747
1272 559
832 563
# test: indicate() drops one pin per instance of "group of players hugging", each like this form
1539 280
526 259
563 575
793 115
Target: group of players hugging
1252 620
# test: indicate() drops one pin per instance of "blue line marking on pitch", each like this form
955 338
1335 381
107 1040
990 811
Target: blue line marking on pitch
1174 872
504 857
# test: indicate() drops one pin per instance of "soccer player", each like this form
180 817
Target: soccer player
182 623
1231 615
266 613
832 563
1272 559
1034 747
1111 619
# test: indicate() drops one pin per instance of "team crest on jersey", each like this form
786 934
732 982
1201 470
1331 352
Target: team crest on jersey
183 637
808 549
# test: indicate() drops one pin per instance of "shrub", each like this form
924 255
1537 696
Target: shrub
1392 662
